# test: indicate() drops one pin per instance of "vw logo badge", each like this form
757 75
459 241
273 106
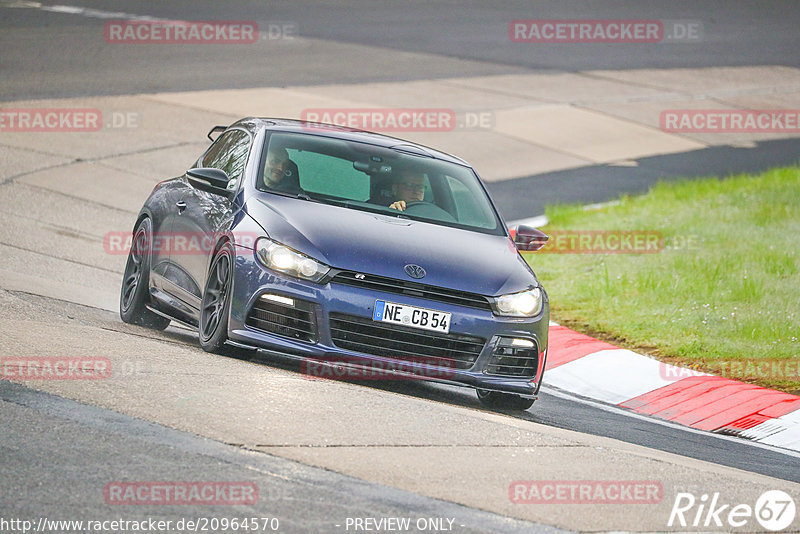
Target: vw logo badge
414 271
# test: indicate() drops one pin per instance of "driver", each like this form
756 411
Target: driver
280 173
409 187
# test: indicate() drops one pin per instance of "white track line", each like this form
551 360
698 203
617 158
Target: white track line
535 222
75 10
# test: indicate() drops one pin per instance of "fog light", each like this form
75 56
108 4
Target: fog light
279 299
513 356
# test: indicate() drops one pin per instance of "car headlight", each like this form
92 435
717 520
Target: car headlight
525 304
278 257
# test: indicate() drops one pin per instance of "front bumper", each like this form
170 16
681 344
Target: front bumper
322 305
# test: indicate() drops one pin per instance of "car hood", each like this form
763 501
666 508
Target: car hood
373 243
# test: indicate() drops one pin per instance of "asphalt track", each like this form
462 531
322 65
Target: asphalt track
103 444
47 54
50 54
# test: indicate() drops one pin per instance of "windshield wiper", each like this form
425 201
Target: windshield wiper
302 195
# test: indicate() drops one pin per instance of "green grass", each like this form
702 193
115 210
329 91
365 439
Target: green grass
722 296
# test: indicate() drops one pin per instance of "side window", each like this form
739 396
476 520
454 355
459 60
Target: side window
229 153
470 211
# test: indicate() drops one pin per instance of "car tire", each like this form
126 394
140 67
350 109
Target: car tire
504 401
134 294
216 303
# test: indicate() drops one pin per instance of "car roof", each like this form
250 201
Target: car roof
344 133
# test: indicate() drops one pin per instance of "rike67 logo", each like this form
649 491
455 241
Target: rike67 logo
774 510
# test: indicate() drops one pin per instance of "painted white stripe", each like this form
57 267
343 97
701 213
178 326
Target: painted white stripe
783 431
602 205
76 10
788 439
19 4
613 375
764 430
546 388
535 222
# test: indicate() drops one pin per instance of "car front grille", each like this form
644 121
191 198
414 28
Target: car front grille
453 351
295 320
414 289
510 360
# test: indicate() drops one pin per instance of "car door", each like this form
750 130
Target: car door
162 209
201 216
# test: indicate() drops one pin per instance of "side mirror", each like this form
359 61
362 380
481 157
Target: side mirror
212 180
529 239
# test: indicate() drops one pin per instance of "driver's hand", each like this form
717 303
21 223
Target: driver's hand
399 205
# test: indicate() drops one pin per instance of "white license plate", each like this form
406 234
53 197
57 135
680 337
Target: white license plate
391 312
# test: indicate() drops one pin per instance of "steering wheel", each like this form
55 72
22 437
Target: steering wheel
428 210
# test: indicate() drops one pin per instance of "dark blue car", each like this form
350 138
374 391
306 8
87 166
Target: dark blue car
348 249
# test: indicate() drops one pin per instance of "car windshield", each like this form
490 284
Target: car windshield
393 181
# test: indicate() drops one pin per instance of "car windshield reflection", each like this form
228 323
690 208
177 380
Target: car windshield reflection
371 178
